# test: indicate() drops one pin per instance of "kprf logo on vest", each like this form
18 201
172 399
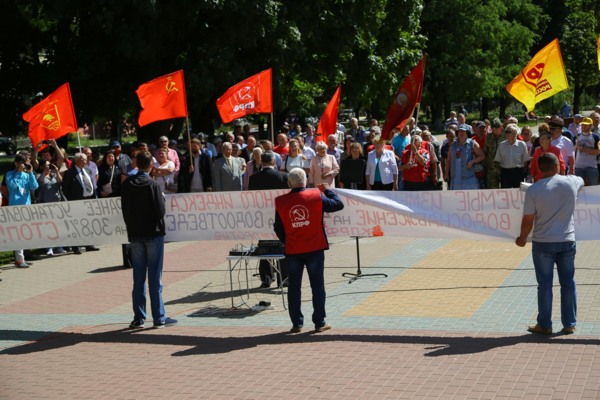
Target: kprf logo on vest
299 216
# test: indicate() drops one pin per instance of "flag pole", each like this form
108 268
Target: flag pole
78 141
189 135
272 130
417 115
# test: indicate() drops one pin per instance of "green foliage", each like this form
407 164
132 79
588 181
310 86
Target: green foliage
105 49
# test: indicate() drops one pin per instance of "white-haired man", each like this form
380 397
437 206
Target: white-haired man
299 224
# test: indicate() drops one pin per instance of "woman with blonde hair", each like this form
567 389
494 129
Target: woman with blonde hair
382 169
323 167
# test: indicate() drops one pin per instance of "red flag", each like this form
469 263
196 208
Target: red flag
251 96
162 98
405 100
52 117
328 122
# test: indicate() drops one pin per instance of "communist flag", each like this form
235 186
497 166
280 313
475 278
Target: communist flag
250 96
52 117
328 122
542 78
162 98
405 100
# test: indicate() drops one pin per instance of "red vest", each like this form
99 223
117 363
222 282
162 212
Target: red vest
302 216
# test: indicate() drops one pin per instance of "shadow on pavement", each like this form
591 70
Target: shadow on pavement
199 345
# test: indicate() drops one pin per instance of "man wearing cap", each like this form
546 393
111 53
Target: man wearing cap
574 126
492 142
564 144
163 142
512 155
587 153
121 159
479 136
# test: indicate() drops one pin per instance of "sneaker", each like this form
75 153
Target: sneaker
539 329
323 328
569 330
167 322
50 252
136 324
21 264
296 329
59 250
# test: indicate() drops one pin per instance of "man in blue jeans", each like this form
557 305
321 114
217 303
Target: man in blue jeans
548 210
143 206
299 224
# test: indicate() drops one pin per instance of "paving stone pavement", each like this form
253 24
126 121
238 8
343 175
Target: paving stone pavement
449 322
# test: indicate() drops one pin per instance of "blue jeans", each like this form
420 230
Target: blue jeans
545 255
315 266
147 257
589 173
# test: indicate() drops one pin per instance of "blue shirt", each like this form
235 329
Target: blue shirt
20 185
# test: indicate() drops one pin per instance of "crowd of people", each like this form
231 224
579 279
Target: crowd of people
477 155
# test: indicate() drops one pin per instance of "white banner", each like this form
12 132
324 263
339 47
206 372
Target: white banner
248 216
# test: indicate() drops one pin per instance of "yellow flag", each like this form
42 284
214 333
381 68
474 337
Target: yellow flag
542 78
598 51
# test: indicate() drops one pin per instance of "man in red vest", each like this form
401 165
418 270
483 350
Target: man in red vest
299 224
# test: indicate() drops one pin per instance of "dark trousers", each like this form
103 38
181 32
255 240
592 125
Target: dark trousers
415 186
511 177
315 266
266 271
381 186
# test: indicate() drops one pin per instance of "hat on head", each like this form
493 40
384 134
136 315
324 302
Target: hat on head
464 127
115 143
496 123
173 141
480 124
556 122
578 116
586 121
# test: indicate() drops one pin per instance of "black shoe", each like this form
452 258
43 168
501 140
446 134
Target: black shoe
76 250
265 285
91 248
136 324
167 322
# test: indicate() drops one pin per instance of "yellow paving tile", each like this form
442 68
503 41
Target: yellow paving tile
452 282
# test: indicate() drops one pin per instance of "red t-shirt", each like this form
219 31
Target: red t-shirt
419 172
282 151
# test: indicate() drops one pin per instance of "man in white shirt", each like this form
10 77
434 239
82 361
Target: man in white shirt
564 144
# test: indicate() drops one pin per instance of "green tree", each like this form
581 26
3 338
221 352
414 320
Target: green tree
475 49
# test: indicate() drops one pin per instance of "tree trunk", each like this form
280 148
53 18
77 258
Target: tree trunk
503 105
484 112
577 97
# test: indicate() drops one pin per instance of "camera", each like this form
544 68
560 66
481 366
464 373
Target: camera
45 141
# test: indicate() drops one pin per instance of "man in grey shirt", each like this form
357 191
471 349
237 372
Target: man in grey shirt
548 210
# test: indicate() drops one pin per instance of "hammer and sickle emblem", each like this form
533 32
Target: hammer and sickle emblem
171 86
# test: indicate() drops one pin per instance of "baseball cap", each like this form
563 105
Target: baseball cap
464 127
578 116
480 124
496 123
586 121
115 143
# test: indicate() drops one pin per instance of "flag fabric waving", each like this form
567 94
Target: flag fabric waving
542 78
162 98
52 117
250 96
405 100
328 122
598 51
